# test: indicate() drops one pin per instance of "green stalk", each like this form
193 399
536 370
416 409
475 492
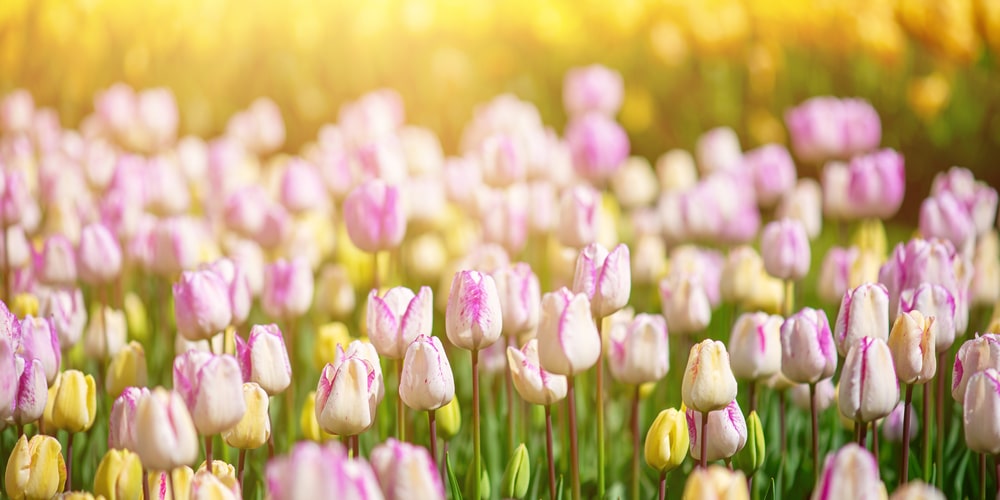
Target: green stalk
600 411
477 458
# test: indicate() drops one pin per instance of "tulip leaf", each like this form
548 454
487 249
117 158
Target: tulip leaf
454 491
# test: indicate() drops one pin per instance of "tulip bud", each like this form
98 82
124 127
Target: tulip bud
773 172
174 245
517 287
850 472
254 429
201 304
211 386
676 171
106 334
127 368
238 286
718 149
406 471
667 441
8 378
208 486
309 424
740 273
917 490
172 440
751 457
640 352
716 482
635 184
868 388
981 407
593 88
864 312
449 419
825 395
784 246
35 468
835 273
708 383
347 396
892 425
755 346
578 213
99 258
288 288
568 340
335 292
328 338
426 382
74 405
804 204
974 356
65 308
648 262
807 350
397 318
135 317
517 475
374 216
176 485
598 145
56 265
876 183
473 318
119 475
912 345
605 277
943 216
534 384
32 390
311 468
39 341
727 432
685 303
264 359
933 301
122 422
985 286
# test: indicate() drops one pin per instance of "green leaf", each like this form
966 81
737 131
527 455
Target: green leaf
454 491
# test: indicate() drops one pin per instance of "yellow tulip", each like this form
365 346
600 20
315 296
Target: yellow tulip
119 475
870 236
667 441
78 495
310 426
127 369
205 486
35 468
254 428
223 471
24 304
449 419
159 483
716 481
328 337
135 317
74 404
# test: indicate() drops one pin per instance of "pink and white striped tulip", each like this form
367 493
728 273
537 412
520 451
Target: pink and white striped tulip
578 214
427 382
473 319
288 288
68 312
937 302
174 245
520 298
599 146
263 359
240 294
892 425
56 264
981 412
311 468
975 355
245 210
99 257
593 88
302 188
708 383
868 386
122 421
850 472
406 471
864 312
685 303
202 306
38 340
568 341
8 378
640 352
32 390
212 388
534 384
170 439
755 346
374 215
784 246
606 278
773 172
876 183
348 394
943 216
397 318
835 273
727 432
808 353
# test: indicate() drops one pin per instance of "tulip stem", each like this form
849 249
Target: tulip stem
69 462
875 439
663 486
573 451
145 485
636 443
550 452
375 278
208 453
170 482
511 342
432 425
704 439
939 428
240 464
926 441
401 408
290 338
996 464
862 433
784 444
815 428
789 297
600 411
982 476
753 395
6 268
355 446
905 468
476 446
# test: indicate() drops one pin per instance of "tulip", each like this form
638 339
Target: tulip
205 486
533 383
980 407
25 304
122 422
605 277
917 490
275 227
728 432
876 183
518 290
634 185
977 197
826 127
309 424
593 88
784 246
502 161
985 286
864 312
517 475
302 187
568 341
717 150
667 441
311 468
473 319
685 304
868 389
373 213
406 471
32 390
170 439
943 216
56 265
716 482
347 395
893 425
201 304
68 313
804 204
598 145
174 245
578 214
708 383
171 484
106 334
8 378
397 318
335 292
974 356
426 382
211 386
35 468
851 472
773 172
740 272
119 475
640 353
263 359
245 210
751 457
835 179
39 341
449 419
15 252
238 287
912 345
99 257
835 273
937 302
755 346
127 368
824 393
288 289
254 429
807 351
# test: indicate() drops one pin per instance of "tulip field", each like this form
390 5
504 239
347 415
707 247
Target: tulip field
411 249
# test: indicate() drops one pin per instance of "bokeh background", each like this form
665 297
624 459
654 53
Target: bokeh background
930 67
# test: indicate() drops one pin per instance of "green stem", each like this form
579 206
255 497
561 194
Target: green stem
905 467
600 414
401 408
636 443
939 403
926 441
789 297
573 451
549 452
476 450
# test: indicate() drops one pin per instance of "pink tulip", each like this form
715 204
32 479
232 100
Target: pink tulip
892 426
382 158
578 212
38 340
66 309
259 128
502 161
302 187
288 288
32 390
170 439
916 262
943 216
518 289
824 128
593 88
166 190
374 216
727 432
56 264
835 180
718 150
263 359
174 245
201 304
406 471
310 468
981 410
8 378
639 352
212 388
17 110
568 341
238 285
784 246
773 172
473 319
755 346
122 425
99 258
977 197
864 312
397 318
599 146
15 252
245 210
974 356
16 200
504 217
876 184
808 353
427 382
835 273
605 277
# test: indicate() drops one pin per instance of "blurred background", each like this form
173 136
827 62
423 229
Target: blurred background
929 67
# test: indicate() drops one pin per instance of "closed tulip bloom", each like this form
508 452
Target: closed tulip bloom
868 386
826 394
335 292
201 304
773 172
347 396
640 353
427 382
917 490
974 356
397 318
755 346
717 150
851 472
122 422
312 468
35 468
981 408
18 253
245 209
784 245
8 378
876 184
169 436
39 341
99 257
119 476
366 351
835 273
937 302
892 426
740 273
911 342
716 483
593 88
635 184
667 441
301 187
568 340
406 471
171 485
68 312
473 319
804 204
605 277
520 298
254 429
127 368
864 312
598 145
288 288
685 303
212 387
728 432
275 228
174 245
238 285
834 181
309 424
708 383
533 383
263 359
578 214
807 350
208 486
56 265
106 334
985 286
32 391
944 216
375 216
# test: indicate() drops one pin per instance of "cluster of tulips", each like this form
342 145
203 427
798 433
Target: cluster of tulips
262 250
